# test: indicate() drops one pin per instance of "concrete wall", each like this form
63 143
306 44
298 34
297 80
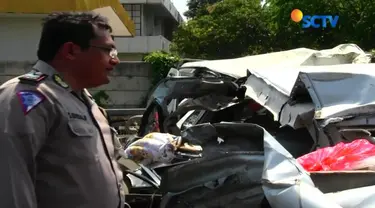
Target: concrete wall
130 82
142 44
130 56
19 37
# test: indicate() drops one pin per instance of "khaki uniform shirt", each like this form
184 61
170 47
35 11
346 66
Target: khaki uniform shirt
56 147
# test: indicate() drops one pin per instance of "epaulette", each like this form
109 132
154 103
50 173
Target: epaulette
33 77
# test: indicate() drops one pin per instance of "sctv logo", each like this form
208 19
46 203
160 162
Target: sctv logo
315 21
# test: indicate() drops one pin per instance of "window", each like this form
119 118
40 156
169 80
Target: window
135 12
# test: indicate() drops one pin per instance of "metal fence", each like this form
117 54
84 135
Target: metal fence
125 112
125 120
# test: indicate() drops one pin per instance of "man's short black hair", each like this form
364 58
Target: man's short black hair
62 27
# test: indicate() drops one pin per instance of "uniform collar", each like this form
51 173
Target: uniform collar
45 68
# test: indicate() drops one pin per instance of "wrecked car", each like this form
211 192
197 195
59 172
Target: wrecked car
240 68
178 87
300 107
212 91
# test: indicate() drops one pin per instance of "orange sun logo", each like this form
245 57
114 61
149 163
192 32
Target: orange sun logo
296 15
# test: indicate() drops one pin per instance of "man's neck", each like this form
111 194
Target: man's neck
68 79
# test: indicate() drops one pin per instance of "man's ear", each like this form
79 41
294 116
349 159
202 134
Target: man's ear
69 50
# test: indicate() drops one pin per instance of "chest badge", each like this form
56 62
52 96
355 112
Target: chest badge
59 81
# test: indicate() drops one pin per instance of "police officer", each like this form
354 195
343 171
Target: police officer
56 146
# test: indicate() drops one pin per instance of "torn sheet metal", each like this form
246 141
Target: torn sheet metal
267 96
297 116
275 99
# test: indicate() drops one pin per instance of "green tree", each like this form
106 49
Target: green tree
198 7
101 98
234 28
231 29
161 62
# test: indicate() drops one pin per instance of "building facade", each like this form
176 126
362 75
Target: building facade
21 23
155 21
148 26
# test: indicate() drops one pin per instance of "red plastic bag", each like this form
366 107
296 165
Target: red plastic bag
343 156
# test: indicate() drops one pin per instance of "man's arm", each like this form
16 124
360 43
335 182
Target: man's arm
23 130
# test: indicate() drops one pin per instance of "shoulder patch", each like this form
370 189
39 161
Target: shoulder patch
29 99
59 81
33 77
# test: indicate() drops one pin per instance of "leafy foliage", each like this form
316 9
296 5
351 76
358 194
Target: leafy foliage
199 7
101 98
161 62
234 28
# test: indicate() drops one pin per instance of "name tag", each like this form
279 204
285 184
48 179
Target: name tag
77 116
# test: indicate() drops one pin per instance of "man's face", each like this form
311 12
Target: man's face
94 64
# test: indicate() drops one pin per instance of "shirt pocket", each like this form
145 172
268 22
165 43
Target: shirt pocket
81 129
83 141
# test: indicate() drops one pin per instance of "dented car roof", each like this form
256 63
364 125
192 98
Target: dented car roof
237 67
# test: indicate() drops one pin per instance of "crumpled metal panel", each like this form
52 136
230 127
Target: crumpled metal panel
287 184
336 90
341 90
